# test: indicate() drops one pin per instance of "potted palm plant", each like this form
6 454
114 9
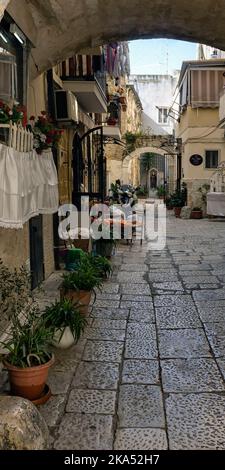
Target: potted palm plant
78 285
66 323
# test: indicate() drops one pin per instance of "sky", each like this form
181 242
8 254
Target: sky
159 56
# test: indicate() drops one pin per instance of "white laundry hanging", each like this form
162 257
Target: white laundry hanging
28 186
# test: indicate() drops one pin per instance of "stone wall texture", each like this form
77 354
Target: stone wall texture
67 29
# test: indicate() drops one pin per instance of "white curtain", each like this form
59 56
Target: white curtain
28 186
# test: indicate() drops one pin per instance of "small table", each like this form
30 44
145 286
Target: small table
216 204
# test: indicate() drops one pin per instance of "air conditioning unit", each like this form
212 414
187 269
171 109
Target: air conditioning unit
66 106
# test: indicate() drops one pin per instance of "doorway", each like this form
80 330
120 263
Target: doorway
36 251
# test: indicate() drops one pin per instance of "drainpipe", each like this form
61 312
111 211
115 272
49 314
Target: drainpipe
179 160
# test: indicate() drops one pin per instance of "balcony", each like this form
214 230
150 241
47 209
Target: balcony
222 109
112 131
88 91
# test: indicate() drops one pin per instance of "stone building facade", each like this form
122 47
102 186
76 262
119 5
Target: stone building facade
203 143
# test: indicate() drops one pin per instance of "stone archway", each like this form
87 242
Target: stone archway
135 156
68 26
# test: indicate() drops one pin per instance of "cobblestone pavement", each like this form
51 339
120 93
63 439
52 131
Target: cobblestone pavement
149 371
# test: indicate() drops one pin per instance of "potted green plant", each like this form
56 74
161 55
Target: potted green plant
27 337
100 263
29 358
65 321
196 213
161 192
177 201
78 286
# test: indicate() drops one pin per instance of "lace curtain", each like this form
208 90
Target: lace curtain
28 186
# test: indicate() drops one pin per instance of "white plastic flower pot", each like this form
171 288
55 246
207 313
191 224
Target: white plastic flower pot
63 341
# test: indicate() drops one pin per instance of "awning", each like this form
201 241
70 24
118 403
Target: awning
28 186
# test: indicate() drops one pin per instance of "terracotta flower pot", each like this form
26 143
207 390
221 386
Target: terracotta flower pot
28 382
82 297
177 211
196 215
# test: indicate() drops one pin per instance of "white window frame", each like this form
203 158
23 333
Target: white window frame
161 111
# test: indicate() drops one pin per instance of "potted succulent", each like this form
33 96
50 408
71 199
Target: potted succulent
65 321
78 286
196 213
29 358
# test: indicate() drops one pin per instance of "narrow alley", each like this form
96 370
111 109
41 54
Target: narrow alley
149 372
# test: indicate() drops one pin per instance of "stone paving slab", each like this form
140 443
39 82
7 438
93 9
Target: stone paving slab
184 343
106 303
191 375
67 360
162 277
110 314
140 406
104 334
110 287
135 289
106 296
200 279
216 336
109 324
141 341
141 439
168 300
192 267
177 317
131 277
92 401
134 267
210 295
196 422
96 375
105 351
211 312
53 410
59 381
146 315
140 371
137 298
221 365
85 432
168 286
136 305
194 274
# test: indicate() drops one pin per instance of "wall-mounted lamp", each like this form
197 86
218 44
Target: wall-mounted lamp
3 37
17 33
